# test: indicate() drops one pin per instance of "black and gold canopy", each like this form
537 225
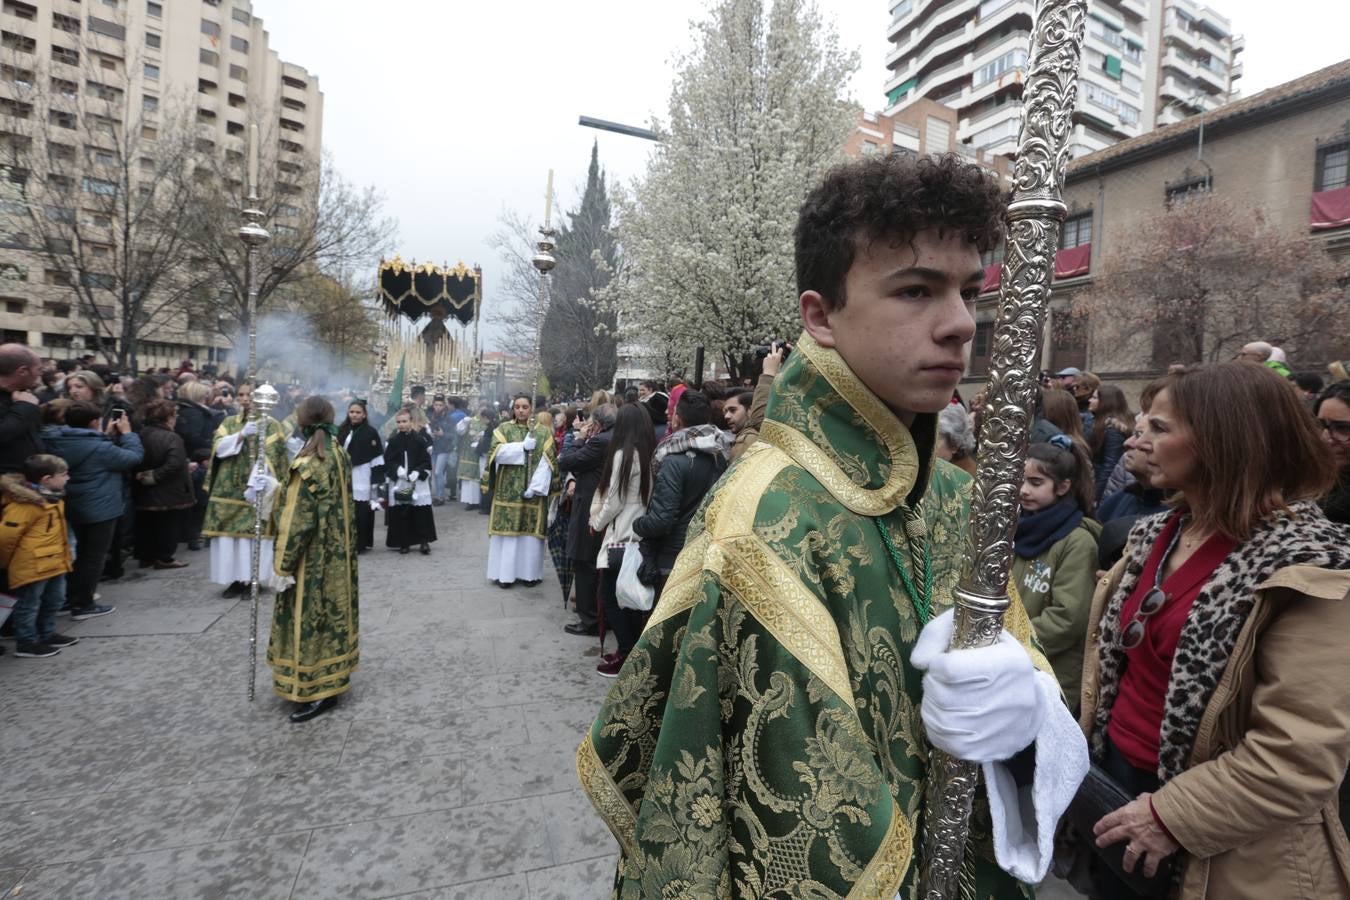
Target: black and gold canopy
430 290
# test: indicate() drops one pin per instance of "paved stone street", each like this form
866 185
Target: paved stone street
132 765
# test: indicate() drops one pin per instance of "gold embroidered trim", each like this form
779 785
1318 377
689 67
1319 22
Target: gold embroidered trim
899 444
731 513
606 797
881 879
685 584
796 617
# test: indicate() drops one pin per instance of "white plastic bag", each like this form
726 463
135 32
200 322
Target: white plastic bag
631 593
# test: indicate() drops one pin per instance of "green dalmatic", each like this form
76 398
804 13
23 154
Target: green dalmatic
764 738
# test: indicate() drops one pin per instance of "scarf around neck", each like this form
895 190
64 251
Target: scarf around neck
1038 531
701 438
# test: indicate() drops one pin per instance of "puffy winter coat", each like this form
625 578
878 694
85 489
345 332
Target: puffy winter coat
681 482
94 492
33 541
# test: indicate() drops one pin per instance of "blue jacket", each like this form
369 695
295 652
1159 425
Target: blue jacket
94 492
1132 501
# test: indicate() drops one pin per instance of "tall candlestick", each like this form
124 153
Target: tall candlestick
253 160
548 199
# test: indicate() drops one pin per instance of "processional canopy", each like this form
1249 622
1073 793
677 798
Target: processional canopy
413 291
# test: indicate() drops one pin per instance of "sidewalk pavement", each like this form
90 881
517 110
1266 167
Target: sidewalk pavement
133 766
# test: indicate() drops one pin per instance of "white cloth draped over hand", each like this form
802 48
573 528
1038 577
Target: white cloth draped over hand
988 704
539 482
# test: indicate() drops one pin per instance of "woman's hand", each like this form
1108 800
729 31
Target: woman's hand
1134 822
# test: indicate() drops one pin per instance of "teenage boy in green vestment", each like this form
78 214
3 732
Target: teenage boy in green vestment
769 735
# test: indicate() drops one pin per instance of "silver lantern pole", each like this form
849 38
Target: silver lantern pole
264 397
1034 217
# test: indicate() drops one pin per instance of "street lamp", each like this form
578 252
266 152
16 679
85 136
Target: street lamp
619 128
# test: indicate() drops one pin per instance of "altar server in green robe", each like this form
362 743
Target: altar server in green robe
229 517
770 734
315 642
521 470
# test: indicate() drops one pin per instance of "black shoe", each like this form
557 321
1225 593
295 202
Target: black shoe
437 502
308 711
581 630
534 583
59 640
402 550
36 651
360 550
194 545
236 588
504 584
91 612
425 549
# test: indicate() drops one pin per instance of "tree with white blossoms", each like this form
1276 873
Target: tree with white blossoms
756 117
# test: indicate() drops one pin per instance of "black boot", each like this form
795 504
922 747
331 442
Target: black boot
306 711
402 550
425 549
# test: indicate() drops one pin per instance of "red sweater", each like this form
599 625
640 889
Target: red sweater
1136 717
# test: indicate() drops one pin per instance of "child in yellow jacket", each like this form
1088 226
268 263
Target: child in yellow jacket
34 547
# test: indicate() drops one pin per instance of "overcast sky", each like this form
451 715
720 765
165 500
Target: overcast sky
457 109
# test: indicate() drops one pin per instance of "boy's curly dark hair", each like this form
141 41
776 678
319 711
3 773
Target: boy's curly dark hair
890 197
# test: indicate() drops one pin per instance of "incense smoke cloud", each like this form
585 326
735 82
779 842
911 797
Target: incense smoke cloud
290 353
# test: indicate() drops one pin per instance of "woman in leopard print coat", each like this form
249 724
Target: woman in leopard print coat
1214 680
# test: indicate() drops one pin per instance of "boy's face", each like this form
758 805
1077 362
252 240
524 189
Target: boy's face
55 482
906 326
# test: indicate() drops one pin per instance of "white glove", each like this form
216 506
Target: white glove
250 428
374 506
284 582
528 495
981 705
402 472
528 443
413 476
258 483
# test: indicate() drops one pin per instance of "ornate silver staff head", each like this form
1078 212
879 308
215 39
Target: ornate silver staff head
264 399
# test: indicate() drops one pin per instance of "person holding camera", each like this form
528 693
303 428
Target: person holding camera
408 457
98 455
748 432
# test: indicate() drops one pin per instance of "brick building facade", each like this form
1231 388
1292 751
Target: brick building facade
1284 151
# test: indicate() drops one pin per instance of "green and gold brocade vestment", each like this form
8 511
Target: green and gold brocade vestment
315 641
228 514
512 514
764 739
468 457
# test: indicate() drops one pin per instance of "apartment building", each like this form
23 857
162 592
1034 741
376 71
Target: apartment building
921 128
136 64
1142 59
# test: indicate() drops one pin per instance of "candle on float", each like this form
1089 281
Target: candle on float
253 158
